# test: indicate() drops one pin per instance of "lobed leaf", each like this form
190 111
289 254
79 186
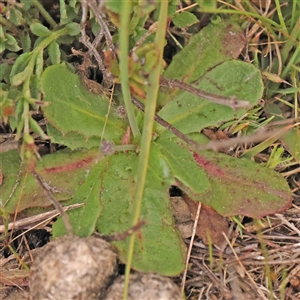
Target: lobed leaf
158 246
110 188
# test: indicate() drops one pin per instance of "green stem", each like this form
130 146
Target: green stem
126 148
124 46
146 139
52 37
9 25
246 13
291 41
294 58
295 81
18 257
26 85
294 14
25 116
43 44
44 13
279 13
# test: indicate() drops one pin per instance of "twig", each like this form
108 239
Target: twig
260 135
85 41
165 124
97 12
287 223
55 203
24 223
215 281
15 185
107 77
232 102
190 247
121 236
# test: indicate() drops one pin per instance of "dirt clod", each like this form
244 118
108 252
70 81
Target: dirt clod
73 268
146 287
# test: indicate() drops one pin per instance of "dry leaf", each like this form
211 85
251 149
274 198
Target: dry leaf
210 225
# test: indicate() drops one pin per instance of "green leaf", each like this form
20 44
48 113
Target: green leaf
39 30
75 109
113 5
158 246
34 125
189 113
207 4
212 45
11 43
184 19
242 187
289 139
35 86
84 220
180 160
2 46
72 139
25 41
15 16
20 77
54 52
73 29
38 41
26 4
4 71
39 64
10 40
20 63
2 35
63 11
63 172
73 3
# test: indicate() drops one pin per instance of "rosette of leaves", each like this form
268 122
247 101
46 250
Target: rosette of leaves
106 184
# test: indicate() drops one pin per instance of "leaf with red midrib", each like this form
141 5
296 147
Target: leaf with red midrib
241 186
63 172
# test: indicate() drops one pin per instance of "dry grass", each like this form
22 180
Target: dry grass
261 261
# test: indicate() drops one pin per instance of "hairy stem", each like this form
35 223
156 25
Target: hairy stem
146 139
